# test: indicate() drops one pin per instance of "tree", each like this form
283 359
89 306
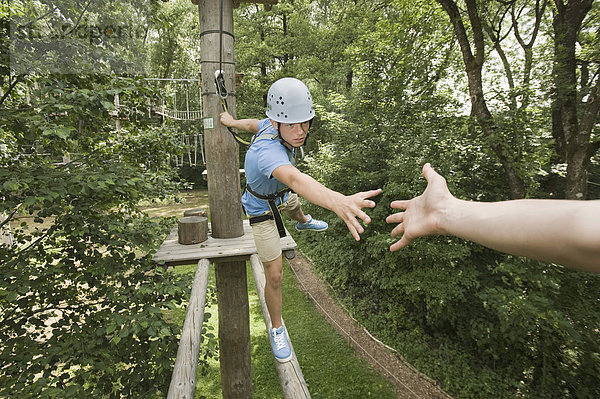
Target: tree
173 41
574 112
474 58
576 100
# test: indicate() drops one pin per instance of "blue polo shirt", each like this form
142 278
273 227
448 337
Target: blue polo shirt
262 158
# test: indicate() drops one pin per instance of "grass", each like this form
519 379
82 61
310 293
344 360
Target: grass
330 366
189 199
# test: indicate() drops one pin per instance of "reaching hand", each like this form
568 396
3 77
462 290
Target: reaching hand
423 214
351 208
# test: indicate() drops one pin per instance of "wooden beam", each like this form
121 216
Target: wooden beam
183 380
290 375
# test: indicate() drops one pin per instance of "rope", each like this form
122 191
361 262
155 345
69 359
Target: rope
222 92
221 37
348 334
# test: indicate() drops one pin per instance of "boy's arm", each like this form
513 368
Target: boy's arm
247 125
348 208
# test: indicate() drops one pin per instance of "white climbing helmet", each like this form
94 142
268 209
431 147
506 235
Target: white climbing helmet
289 101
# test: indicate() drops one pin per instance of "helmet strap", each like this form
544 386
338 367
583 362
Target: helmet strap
283 142
280 137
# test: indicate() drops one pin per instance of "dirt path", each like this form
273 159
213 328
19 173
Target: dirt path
409 382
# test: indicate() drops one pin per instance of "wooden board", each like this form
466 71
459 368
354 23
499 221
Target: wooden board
173 253
292 381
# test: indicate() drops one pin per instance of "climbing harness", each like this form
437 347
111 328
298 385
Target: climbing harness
272 198
275 214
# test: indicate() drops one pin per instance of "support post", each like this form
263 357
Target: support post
222 165
234 330
222 153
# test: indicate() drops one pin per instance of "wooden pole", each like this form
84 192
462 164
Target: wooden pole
222 165
234 330
222 154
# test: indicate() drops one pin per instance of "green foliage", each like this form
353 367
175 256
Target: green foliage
174 44
73 38
85 310
83 304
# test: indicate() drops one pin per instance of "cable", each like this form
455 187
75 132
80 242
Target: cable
348 334
221 37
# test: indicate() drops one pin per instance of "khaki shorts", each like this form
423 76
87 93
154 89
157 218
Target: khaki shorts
266 236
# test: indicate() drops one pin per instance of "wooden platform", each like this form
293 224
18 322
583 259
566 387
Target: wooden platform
215 249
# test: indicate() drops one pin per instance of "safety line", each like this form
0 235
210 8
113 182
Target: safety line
221 37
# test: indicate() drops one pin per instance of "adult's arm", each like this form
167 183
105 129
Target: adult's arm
346 207
560 231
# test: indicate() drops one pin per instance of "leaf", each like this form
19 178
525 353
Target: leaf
108 105
11 296
110 327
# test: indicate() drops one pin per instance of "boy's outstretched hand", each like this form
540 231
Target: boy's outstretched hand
350 208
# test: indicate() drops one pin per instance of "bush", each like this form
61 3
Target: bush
481 323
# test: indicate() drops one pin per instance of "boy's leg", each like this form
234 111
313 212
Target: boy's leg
273 279
297 214
266 238
293 209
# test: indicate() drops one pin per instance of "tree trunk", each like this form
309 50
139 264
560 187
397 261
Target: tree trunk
571 134
473 65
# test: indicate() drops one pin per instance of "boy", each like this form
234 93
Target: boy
272 184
